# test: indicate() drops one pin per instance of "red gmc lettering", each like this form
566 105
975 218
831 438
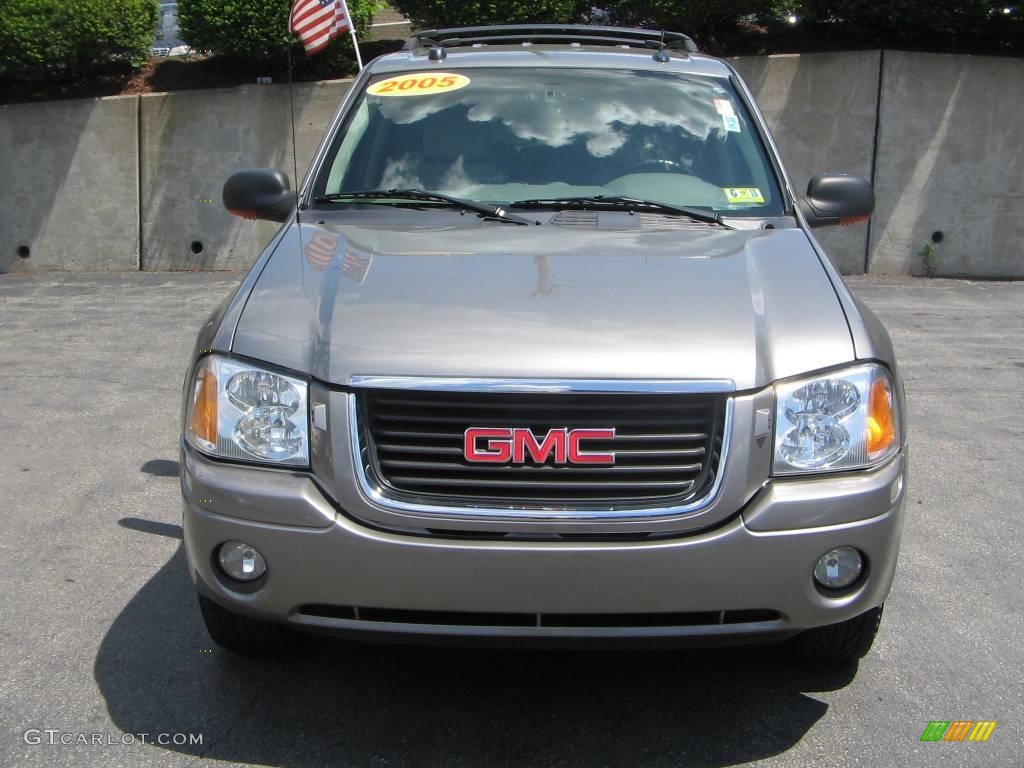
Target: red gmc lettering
498 450
504 445
523 440
577 456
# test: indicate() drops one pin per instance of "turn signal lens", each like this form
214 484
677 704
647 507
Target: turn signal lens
881 423
203 423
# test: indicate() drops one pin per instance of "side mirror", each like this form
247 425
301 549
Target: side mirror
259 193
837 198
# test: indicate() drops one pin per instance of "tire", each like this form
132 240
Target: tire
242 634
839 643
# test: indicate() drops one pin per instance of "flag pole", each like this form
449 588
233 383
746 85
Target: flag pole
352 31
355 44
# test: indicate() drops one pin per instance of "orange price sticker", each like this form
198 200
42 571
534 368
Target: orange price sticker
418 84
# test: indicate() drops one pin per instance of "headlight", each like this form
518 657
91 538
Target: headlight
843 420
239 411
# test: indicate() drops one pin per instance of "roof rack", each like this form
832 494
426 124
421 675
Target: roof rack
581 34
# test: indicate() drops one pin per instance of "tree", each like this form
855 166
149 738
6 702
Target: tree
428 14
983 26
716 25
729 27
708 21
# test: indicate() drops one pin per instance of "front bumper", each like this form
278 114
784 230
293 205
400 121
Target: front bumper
759 560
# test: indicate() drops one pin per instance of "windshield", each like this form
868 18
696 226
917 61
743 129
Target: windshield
505 135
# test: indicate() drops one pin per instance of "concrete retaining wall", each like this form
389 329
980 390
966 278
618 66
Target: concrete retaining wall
821 109
951 160
69 185
130 182
193 140
134 182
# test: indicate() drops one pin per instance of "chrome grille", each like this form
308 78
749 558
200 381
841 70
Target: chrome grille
666 446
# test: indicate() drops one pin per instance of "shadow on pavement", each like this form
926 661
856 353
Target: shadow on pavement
338 703
160 468
170 530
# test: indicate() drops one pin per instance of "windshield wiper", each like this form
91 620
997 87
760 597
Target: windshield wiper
484 209
614 202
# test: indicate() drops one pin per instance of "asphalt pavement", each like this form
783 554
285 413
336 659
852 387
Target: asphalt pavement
101 640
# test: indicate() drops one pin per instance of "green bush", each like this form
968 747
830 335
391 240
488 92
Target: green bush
427 14
753 26
253 30
702 19
47 40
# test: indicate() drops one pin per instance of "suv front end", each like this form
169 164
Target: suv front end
581 414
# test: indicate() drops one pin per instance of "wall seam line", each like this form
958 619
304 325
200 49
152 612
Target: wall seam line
874 155
138 169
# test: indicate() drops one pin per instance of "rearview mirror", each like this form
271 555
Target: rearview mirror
837 198
259 193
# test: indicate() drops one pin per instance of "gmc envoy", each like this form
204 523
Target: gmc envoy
544 351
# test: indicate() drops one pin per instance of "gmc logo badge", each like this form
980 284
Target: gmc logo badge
511 445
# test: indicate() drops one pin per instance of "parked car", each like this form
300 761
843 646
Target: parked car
545 351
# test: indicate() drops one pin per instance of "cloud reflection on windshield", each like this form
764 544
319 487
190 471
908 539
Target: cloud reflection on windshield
562 107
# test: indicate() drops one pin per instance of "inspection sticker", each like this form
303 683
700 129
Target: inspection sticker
743 195
724 107
731 123
419 84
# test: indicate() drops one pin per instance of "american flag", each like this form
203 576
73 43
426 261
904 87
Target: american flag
356 263
317 22
321 249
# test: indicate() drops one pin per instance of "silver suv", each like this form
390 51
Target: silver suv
544 351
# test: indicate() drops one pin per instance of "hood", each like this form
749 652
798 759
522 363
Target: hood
545 302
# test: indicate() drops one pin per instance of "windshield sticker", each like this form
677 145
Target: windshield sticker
724 107
419 84
743 195
731 123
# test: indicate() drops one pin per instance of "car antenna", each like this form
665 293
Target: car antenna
291 108
295 159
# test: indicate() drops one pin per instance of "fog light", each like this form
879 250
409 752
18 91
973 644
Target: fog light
838 568
241 561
